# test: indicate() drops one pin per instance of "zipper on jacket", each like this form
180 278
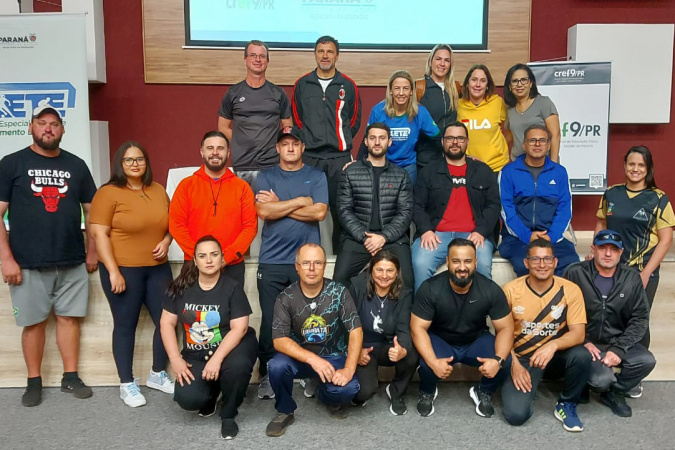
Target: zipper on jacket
602 318
534 206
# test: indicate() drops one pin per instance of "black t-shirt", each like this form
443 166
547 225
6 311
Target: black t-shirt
320 324
373 313
375 223
206 315
459 319
44 196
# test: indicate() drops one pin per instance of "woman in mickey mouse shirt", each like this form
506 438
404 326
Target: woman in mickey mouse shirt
219 348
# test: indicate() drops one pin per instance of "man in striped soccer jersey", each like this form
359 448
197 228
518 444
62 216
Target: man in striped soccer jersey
549 318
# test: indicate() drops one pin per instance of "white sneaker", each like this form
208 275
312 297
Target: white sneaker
160 381
131 394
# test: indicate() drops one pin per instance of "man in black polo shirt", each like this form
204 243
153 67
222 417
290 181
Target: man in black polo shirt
448 326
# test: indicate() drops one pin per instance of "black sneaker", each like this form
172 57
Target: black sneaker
359 403
397 405
76 387
337 411
425 403
617 403
209 409
636 392
483 401
32 396
229 429
279 423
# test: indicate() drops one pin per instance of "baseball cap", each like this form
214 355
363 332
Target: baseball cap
46 109
608 237
289 131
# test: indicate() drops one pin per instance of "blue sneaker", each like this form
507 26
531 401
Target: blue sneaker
566 412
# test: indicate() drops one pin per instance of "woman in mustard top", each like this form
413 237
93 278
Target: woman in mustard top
484 114
130 221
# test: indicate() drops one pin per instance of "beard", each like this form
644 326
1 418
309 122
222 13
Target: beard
459 281
377 153
214 167
45 145
455 156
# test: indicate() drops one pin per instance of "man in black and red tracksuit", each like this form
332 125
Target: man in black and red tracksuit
327 109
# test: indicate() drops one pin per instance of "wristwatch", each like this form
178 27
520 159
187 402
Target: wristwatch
500 360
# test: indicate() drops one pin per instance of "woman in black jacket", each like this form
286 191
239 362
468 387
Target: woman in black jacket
384 303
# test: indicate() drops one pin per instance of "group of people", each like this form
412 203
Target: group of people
445 166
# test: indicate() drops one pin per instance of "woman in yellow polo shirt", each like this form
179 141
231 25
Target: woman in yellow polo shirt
484 113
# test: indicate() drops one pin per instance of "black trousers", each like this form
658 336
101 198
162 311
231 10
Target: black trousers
235 374
635 366
332 167
353 257
652 286
403 373
272 279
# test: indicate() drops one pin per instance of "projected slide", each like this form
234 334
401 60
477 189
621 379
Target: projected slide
357 24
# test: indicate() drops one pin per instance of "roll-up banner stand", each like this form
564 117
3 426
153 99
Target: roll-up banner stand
43 60
580 92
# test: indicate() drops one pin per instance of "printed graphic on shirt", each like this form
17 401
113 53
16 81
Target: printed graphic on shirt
50 185
458 182
473 124
400 134
314 330
551 321
377 321
202 326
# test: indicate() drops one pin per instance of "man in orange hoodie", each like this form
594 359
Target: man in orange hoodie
214 201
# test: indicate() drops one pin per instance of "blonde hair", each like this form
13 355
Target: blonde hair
449 82
411 108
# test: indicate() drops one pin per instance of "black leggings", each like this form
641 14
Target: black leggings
145 286
651 288
233 379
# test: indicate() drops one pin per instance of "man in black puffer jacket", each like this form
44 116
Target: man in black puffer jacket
375 203
618 313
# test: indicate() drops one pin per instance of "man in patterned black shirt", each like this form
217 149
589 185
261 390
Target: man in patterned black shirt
313 319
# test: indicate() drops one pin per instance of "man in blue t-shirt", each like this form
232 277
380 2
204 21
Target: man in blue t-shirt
292 198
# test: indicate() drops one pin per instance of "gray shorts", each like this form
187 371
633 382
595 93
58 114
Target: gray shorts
65 289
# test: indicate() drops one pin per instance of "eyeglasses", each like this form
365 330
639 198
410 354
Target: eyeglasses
459 139
516 81
254 56
130 161
308 264
548 260
607 237
541 141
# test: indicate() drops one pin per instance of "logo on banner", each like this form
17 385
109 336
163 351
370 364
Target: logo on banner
578 129
569 73
18 100
18 41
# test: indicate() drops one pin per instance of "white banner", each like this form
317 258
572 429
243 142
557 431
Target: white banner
580 92
43 60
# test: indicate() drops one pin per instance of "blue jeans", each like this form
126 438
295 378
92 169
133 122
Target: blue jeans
425 262
412 172
282 370
483 347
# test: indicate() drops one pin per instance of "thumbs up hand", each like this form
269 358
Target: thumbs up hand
364 358
397 353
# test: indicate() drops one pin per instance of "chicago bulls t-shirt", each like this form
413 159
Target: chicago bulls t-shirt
44 196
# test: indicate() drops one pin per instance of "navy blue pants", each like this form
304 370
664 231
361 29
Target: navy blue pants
515 251
283 369
145 286
483 347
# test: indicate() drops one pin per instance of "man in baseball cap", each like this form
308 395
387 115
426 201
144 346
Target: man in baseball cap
292 198
618 315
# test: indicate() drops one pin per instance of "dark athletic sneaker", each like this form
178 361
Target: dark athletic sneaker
229 429
337 411
209 409
425 403
32 396
397 405
617 403
636 392
483 402
77 388
359 403
279 423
